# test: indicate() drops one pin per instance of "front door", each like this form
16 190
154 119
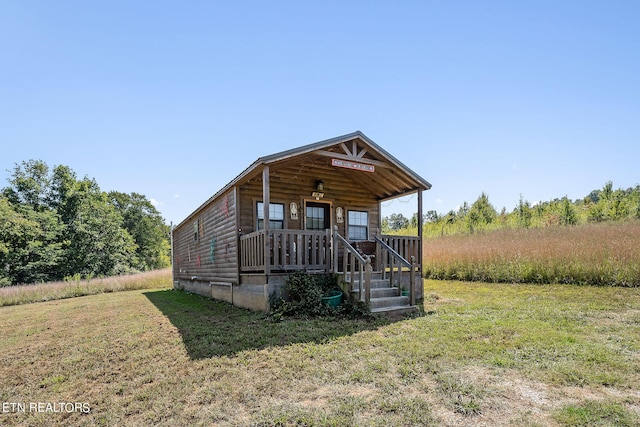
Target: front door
318 216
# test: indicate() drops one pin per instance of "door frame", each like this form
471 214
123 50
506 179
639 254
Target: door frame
328 206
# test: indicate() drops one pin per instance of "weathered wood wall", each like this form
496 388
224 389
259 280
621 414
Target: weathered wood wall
296 183
213 254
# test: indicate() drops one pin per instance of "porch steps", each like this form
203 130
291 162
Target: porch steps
395 310
385 299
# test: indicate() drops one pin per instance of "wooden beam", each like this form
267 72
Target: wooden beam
266 200
420 237
236 219
391 182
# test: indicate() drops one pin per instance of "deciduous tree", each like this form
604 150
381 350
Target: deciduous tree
53 225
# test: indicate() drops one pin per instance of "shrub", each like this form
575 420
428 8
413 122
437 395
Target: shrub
305 293
305 298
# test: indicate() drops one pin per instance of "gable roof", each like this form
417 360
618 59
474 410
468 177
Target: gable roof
392 178
363 151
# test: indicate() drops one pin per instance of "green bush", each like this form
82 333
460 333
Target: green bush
305 293
305 298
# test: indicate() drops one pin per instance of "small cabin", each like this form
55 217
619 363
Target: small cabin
315 208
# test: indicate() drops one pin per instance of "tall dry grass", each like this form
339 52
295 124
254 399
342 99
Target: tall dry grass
605 254
24 294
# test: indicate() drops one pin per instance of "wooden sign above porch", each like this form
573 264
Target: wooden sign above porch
352 165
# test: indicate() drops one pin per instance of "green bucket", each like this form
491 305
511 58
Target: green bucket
333 298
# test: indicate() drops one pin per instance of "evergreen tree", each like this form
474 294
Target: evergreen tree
481 213
568 214
524 213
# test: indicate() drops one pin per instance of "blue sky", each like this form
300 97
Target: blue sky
172 99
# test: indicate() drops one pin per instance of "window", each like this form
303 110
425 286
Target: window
276 216
198 230
358 225
317 216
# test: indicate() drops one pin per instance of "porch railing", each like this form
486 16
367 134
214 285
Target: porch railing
405 246
252 251
396 267
355 264
288 250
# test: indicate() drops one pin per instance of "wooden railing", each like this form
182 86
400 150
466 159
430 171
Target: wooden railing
252 251
291 250
405 246
395 266
288 250
353 263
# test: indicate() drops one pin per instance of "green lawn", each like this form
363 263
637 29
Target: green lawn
499 355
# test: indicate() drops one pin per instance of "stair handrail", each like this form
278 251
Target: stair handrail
400 259
363 264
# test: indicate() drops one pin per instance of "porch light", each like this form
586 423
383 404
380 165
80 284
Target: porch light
318 194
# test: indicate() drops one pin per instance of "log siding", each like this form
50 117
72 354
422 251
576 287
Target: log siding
218 251
210 253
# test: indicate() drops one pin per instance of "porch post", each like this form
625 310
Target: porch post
266 201
420 259
334 248
173 267
420 225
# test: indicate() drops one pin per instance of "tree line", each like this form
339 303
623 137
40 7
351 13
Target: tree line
55 226
606 204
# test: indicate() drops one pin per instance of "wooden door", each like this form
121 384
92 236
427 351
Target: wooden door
317 216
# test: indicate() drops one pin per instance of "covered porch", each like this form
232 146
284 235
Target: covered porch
269 255
319 210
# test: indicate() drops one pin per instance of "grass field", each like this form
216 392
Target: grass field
495 355
24 294
605 254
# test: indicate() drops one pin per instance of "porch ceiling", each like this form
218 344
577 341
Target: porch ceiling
389 178
386 182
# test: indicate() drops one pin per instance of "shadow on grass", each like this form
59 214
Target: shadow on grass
212 328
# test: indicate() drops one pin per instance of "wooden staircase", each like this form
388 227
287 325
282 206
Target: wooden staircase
380 290
385 298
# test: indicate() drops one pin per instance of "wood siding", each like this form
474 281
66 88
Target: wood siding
356 176
296 183
206 245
